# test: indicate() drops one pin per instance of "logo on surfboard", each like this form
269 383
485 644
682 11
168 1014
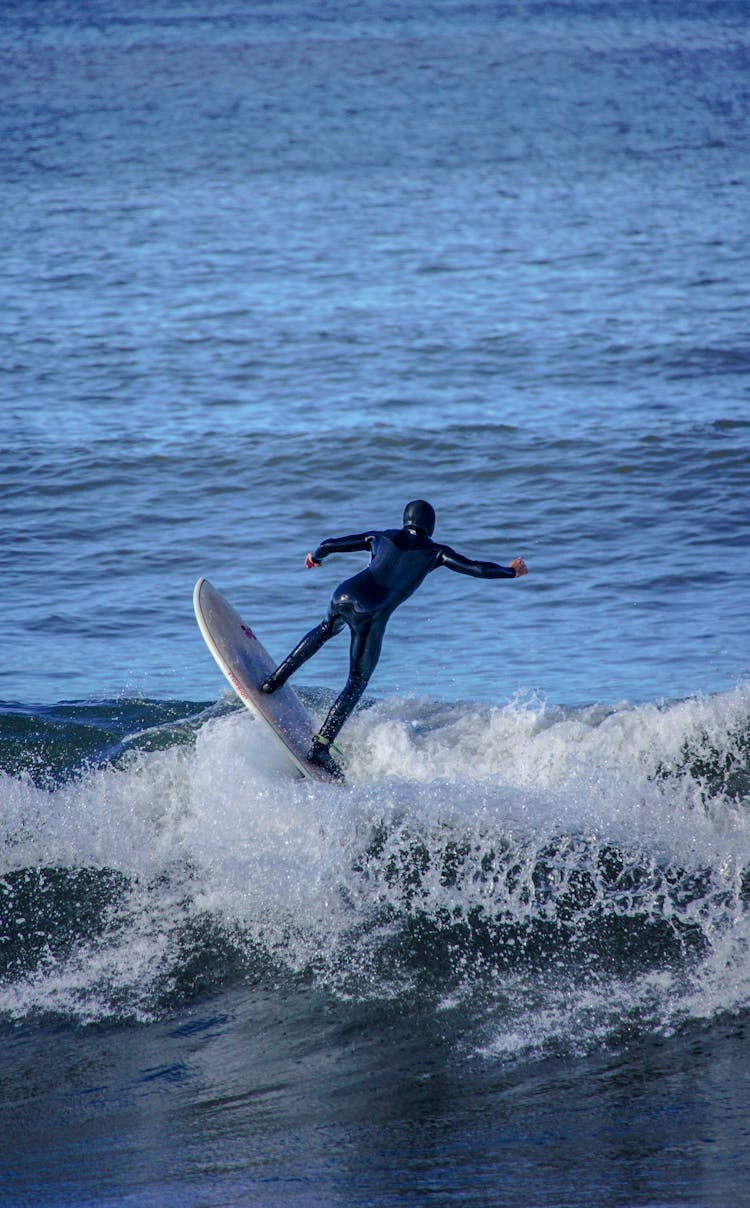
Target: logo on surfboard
246 629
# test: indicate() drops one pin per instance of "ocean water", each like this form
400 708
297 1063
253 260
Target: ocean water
270 271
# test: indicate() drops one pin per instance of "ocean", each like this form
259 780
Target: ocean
271 270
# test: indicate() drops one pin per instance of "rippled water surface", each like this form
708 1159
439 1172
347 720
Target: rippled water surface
272 270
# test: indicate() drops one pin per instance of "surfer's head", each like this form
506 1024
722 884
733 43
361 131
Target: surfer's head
420 515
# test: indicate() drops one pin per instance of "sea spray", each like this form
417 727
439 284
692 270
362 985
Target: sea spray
530 867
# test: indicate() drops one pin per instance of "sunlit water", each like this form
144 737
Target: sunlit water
270 273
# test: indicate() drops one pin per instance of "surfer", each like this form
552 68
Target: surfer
400 560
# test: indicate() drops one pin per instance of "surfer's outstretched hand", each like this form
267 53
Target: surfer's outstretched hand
518 565
310 562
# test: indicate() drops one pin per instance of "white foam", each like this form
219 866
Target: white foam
463 803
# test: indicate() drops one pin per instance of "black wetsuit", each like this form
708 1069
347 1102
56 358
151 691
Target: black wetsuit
401 560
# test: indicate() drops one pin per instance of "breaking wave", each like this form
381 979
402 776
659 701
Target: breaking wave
559 879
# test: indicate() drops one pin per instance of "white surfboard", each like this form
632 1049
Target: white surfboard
246 664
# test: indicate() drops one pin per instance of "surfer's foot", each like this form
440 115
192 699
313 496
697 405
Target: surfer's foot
320 755
270 685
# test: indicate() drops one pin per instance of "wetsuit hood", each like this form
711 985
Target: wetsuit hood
420 515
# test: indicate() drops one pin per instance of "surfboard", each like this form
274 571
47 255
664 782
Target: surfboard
246 664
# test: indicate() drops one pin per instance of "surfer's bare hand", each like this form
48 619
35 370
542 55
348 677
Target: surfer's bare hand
310 562
519 566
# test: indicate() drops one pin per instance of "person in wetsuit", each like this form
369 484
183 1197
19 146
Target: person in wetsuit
400 560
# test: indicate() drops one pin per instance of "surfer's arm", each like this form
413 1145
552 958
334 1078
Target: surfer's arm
479 569
339 545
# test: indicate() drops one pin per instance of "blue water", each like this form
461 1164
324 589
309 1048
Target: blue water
269 272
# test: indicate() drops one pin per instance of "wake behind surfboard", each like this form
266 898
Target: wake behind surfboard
246 664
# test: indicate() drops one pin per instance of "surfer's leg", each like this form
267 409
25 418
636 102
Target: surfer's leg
310 645
367 641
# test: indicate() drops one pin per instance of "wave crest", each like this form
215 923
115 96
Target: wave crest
503 862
